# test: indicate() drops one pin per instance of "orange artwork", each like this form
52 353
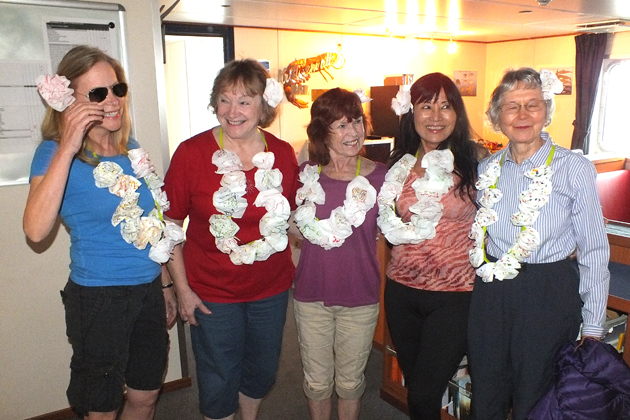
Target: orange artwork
299 71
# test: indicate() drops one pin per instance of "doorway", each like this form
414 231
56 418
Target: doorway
193 54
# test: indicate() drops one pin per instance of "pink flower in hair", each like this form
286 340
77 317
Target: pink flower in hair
56 91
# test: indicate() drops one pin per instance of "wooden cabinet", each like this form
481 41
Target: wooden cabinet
383 255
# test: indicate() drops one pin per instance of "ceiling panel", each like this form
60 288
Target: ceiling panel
479 20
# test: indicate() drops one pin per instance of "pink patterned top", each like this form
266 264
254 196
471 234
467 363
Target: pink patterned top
441 263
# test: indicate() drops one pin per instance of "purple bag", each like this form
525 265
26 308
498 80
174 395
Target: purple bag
591 382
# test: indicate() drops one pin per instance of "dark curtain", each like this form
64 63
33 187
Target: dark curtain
589 55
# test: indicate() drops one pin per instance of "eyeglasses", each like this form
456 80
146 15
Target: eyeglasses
99 94
512 108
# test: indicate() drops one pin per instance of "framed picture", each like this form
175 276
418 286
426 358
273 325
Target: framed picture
565 74
466 82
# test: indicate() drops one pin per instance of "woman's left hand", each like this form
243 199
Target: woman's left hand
589 337
170 302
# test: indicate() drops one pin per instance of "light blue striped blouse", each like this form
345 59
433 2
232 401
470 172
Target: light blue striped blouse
571 220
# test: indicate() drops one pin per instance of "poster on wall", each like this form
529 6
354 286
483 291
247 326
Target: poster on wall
565 75
466 82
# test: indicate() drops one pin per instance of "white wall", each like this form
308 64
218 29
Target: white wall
34 352
368 59
537 53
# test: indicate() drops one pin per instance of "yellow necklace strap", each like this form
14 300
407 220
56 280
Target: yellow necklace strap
319 167
262 136
551 153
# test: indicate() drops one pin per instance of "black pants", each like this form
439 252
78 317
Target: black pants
429 333
516 327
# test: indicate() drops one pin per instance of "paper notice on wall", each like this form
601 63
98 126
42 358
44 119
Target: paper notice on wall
21 114
63 36
21 108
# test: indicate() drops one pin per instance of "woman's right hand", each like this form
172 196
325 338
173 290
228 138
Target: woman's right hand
187 299
77 120
187 302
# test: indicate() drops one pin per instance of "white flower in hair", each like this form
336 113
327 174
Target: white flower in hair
273 92
401 104
551 85
56 91
362 96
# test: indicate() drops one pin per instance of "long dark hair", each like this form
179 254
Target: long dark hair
427 89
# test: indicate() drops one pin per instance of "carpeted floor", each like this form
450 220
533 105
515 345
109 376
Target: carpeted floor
286 401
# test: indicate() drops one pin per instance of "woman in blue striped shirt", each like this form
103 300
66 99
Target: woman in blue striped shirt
538 207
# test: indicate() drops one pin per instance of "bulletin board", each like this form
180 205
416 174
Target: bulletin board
34 36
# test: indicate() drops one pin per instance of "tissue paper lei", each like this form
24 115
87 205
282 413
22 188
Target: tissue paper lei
332 232
229 200
530 202
137 229
429 190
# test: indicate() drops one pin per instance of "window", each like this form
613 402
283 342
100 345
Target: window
609 128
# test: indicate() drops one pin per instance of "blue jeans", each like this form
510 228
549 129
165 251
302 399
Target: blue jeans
237 349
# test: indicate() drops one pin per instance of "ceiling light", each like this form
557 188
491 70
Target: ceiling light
543 2
429 46
451 47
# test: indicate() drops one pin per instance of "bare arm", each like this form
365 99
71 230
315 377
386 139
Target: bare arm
46 192
187 300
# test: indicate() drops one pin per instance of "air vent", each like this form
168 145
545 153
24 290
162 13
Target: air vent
615 25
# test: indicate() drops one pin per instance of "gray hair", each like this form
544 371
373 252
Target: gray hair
526 76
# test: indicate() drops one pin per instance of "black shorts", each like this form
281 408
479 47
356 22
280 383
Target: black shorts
118 336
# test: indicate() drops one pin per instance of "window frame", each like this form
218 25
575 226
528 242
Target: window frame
598 120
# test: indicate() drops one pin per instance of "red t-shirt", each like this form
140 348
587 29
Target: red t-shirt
190 184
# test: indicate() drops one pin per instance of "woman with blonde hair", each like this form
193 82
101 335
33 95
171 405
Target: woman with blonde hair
98 179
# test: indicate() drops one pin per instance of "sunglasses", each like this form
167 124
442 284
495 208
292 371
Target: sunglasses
99 94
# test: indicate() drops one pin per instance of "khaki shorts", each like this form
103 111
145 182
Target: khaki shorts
335 343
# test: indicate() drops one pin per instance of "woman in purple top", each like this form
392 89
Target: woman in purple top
337 282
